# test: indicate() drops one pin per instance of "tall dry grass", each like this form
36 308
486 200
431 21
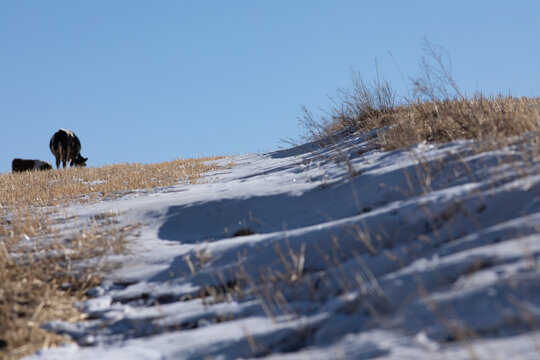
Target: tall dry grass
487 119
438 111
38 277
481 117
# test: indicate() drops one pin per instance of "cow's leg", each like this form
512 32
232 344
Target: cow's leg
59 156
69 155
64 157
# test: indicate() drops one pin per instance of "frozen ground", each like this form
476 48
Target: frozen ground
348 252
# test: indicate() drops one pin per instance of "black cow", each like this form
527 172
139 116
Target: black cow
20 165
66 147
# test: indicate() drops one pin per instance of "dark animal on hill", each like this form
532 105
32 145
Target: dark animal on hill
20 165
66 147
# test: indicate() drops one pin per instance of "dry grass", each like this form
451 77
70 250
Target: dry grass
438 112
46 188
40 276
40 281
487 119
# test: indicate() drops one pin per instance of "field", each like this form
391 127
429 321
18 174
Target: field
396 229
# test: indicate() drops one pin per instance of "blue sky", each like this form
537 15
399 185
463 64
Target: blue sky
150 81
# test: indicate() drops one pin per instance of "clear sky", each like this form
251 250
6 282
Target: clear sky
150 81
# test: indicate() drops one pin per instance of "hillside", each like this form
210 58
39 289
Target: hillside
349 251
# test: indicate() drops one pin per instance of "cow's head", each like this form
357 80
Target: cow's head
42 165
79 161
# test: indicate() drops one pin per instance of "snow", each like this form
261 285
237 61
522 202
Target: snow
352 252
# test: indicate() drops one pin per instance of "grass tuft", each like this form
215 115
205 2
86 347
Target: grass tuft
438 112
480 117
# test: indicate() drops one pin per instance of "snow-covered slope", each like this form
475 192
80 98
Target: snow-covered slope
348 252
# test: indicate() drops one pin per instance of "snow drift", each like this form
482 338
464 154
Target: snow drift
347 252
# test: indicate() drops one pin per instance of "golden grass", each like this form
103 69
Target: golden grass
439 111
369 106
480 117
37 273
81 185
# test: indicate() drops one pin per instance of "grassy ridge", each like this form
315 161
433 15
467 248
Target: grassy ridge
366 107
50 188
436 111
479 117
